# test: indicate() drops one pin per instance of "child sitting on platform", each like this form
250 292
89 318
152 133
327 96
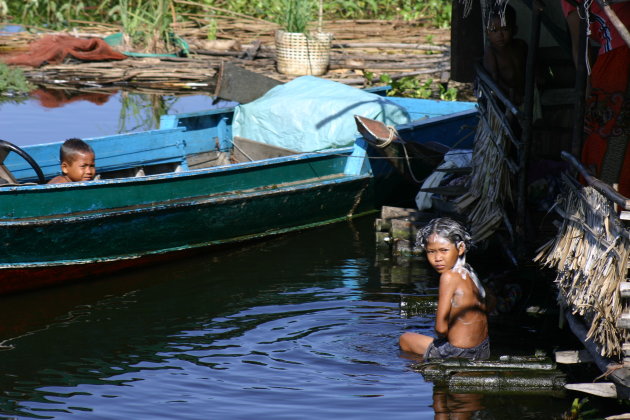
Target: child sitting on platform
77 162
461 323
505 56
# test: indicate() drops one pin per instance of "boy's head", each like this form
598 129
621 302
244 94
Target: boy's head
501 25
77 160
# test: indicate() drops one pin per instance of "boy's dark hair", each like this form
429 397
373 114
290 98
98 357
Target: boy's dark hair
71 147
504 12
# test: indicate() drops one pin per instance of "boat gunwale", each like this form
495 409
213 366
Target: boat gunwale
344 152
193 201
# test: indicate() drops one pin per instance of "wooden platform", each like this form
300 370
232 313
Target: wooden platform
505 375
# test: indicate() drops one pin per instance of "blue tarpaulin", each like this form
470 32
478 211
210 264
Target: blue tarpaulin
309 114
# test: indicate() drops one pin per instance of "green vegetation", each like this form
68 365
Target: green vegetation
13 81
58 14
145 23
578 411
412 87
296 15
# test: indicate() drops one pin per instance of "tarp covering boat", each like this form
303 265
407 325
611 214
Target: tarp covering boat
309 114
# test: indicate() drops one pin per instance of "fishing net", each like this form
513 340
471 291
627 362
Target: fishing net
54 49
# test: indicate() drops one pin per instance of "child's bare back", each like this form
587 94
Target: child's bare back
460 307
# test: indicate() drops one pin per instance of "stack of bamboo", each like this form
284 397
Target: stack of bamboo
590 254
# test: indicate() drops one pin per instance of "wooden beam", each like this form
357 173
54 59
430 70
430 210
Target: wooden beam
601 389
571 357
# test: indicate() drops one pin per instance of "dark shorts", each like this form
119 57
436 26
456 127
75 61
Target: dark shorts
440 348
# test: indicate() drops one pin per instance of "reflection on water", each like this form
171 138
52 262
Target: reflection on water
301 326
455 406
55 115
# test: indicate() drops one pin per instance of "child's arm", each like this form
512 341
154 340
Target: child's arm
448 282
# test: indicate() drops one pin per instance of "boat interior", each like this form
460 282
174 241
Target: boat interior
135 155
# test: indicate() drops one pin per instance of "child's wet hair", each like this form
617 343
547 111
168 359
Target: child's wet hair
71 147
504 12
446 228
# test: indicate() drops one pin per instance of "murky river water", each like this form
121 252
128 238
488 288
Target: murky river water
298 327
303 326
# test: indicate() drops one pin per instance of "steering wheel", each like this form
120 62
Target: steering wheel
12 147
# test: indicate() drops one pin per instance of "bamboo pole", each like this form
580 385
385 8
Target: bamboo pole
617 23
605 189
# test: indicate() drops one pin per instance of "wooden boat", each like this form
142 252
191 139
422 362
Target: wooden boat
414 150
165 192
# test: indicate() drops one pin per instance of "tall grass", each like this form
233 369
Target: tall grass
57 13
53 14
145 23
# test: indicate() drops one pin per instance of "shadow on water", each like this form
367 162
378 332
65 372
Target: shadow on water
300 325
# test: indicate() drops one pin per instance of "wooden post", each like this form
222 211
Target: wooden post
526 124
466 41
580 92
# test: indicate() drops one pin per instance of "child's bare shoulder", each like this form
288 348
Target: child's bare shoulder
450 277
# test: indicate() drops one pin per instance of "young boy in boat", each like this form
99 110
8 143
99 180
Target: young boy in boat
505 56
461 321
77 162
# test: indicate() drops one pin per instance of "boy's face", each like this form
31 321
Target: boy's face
498 35
81 168
442 253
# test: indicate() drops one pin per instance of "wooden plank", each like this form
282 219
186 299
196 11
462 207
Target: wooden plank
624 320
625 416
246 150
235 83
568 357
388 212
381 225
403 229
601 389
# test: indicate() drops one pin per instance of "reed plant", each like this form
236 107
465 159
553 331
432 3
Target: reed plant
145 24
296 15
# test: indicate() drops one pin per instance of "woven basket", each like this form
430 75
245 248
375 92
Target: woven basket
299 55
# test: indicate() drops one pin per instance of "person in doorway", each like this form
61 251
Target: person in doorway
461 321
605 152
77 162
505 57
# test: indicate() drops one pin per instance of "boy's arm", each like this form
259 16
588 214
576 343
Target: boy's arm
447 288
